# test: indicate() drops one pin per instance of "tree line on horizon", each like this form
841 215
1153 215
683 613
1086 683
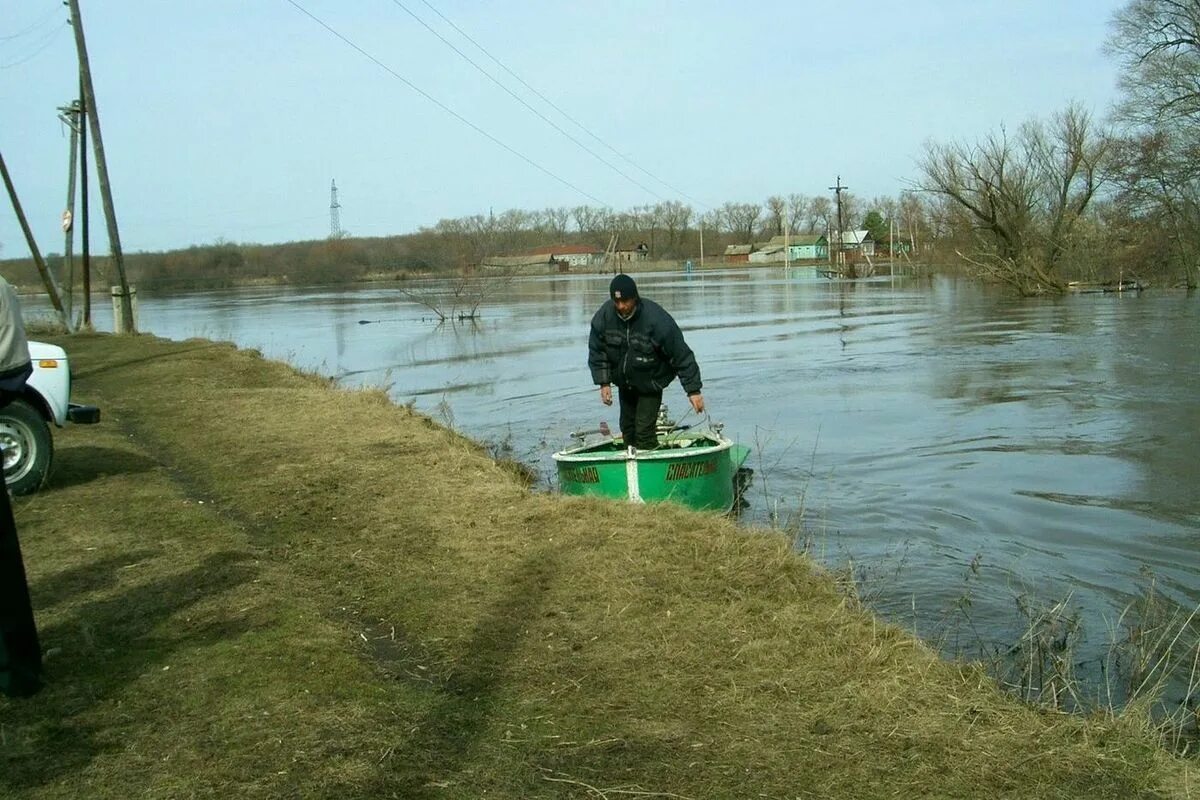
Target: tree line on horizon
1066 198
670 230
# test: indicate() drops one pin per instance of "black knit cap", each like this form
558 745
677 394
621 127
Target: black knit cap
622 286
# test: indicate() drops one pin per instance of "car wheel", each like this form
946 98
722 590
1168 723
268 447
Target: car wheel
26 446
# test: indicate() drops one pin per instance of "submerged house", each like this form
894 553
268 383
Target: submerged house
803 246
767 253
517 264
569 255
858 242
738 253
512 265
639 253
901 245
559 257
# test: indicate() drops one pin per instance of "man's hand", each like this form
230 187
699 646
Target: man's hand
697 402
606 395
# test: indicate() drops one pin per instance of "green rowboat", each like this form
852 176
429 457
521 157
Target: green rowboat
700 469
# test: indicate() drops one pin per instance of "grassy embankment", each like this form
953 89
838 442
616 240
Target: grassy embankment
252 584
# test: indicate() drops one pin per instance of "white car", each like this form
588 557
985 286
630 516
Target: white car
26 440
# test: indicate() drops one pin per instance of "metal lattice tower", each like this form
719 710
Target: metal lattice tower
335 219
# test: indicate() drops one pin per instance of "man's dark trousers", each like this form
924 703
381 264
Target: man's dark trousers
20 654
639 417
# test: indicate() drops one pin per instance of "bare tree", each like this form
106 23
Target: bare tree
554 222
889 207
648 222
465 240
819 214
852 211
1158 44
913 219
675 217
512 227
480 233
1158 198
458 299
1157 166
740 219
1068 156
626 223
590 220
797 207
1024 195
776 213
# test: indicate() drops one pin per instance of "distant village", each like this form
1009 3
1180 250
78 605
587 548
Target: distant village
799 249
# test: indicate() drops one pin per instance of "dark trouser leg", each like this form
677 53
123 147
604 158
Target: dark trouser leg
20 654
646 421
628 399
639 416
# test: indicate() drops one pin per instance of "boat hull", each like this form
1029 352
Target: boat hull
697 472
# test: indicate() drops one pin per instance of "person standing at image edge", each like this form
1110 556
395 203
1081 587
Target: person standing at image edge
20 650
635 344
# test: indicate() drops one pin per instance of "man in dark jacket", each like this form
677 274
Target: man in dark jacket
15 366
20 653
635 344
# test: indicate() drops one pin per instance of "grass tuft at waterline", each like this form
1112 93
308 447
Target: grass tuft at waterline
250 583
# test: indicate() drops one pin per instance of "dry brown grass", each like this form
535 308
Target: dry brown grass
253 584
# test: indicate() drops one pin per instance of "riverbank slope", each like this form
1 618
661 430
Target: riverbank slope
250 583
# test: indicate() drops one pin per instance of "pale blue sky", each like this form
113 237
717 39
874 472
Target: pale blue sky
228 118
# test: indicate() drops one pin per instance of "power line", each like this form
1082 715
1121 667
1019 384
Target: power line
533 110
34 26
46 42
446 108
551 103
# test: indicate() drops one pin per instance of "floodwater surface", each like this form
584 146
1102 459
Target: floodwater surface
954 443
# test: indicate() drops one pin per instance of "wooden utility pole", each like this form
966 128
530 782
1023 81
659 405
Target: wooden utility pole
610 254
837 190
787 251
85 213
47 278
69 114
892 229
110 216
702 243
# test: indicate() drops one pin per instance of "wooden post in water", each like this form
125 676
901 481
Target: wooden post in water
110 215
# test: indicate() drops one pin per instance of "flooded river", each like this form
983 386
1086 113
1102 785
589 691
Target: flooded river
949 440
